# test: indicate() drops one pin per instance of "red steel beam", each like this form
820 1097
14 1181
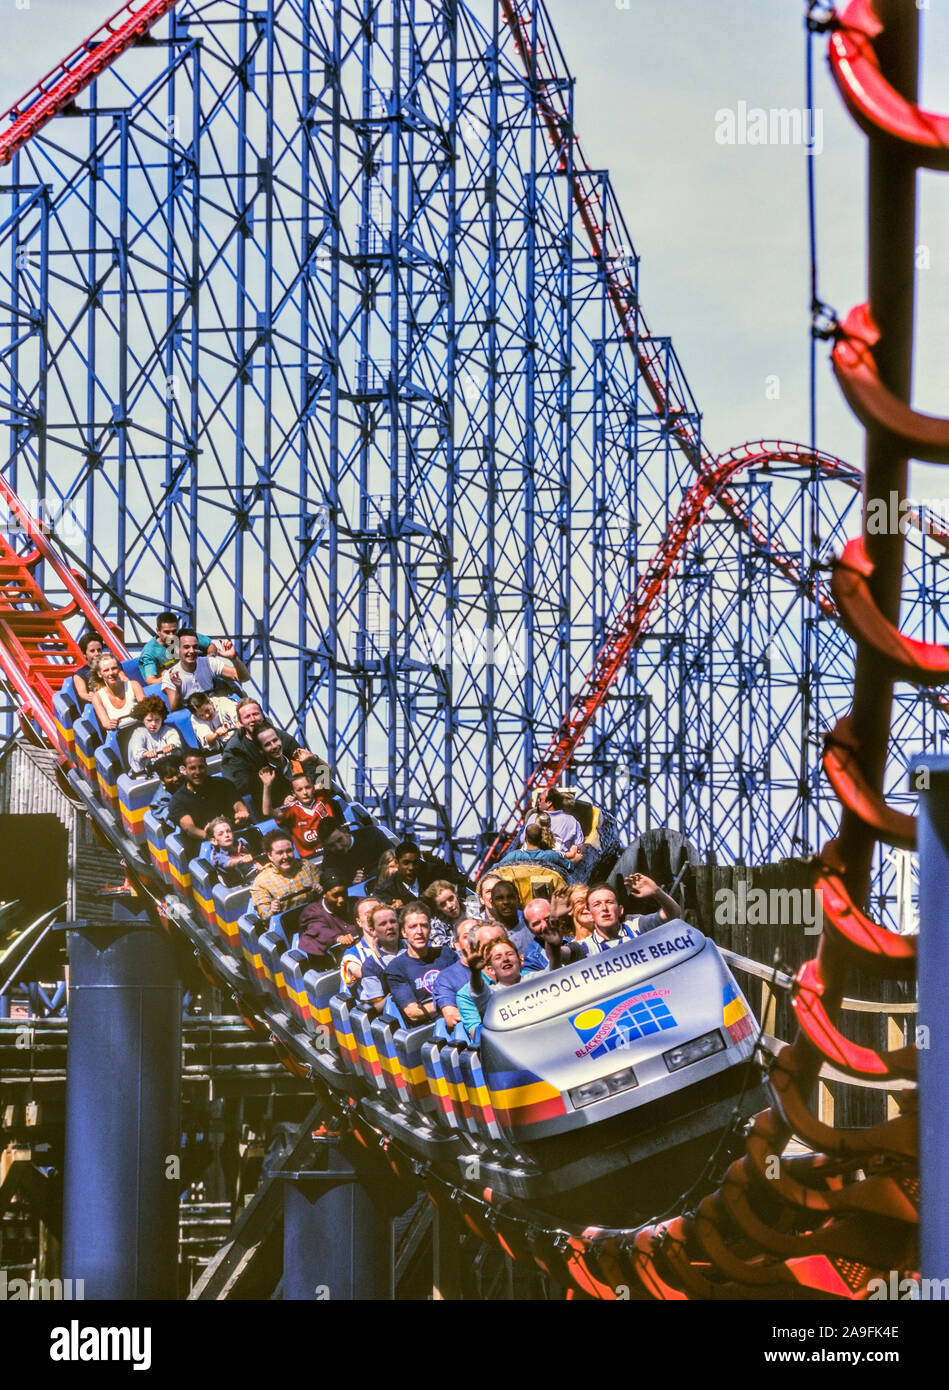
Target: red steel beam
632 621
60 87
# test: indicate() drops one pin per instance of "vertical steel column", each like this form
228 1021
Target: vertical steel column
123 1101
933 966
242 506
565 400
529 587
454 482
332 530
491 553
265 468
309 522
361 129
891 218
15 426
401 683
337 1243
120 407
40 418
165 516
194 298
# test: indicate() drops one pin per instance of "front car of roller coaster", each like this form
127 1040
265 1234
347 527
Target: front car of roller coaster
321 328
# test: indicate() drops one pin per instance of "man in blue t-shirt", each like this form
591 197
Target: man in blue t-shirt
162 651
411 976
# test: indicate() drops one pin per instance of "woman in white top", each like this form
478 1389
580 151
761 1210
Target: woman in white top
114 695
154 738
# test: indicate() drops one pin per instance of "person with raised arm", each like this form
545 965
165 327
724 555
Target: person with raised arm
495 965
193 672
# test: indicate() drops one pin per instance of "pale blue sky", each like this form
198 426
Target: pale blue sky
721 230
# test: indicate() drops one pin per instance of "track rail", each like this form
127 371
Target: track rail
714 473
631 623
57 91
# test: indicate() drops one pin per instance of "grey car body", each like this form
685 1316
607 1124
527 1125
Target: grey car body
624 1017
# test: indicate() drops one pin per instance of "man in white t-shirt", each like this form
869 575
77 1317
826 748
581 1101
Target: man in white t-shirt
193 672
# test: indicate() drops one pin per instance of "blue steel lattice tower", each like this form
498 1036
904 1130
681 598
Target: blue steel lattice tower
306 335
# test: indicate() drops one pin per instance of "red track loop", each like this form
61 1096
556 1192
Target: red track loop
586 1273
632 621
759 1269
847 1056
687 1266
866 1239
614 1262
877 107
865 944
896 1138
848 781
644 1264
921 663
893 1194
781 1177
919 436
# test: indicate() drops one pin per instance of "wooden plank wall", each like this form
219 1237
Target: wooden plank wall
28 787
844 1105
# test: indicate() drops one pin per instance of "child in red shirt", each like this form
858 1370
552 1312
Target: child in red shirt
301 814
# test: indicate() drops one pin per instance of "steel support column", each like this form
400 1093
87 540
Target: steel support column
123 1102
933 1036
337 1242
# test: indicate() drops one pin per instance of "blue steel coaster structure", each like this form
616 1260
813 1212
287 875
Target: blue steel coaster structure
322 330
302 439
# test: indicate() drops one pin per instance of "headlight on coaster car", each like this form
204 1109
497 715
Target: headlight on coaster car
694 1051
606 1086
